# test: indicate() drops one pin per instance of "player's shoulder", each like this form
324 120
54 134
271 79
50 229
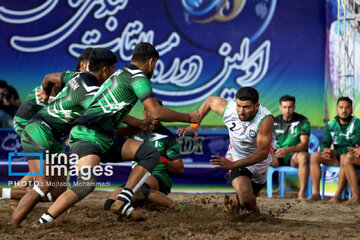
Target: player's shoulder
87 79
300 117
133 71
332 123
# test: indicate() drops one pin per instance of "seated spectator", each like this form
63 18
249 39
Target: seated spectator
9 103
292 132
341 132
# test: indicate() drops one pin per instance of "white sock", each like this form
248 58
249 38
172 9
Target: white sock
141 182
6 193
46 217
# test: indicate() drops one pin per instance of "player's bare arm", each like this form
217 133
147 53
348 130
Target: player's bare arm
49 82
175 166
142 124
156 111
263 142
216 104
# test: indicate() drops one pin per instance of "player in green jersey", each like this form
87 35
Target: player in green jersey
342 132
292 133
93 133
32 104
43 133
33 101
159 184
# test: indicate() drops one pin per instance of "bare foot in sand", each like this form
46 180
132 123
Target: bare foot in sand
352 201
335 200
314 197
301 196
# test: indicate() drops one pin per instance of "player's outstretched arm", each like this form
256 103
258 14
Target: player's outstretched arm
156 111
263 142
216 104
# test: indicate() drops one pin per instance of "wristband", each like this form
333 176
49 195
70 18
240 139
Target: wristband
164 160
195 125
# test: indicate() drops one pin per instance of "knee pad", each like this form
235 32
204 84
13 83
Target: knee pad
83 187
147 156
143 192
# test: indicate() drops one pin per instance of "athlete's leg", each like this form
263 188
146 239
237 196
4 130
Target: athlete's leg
32 197
244 191
300 160
315 171
351 175
155 195
342 180
275 161
83 187
148 157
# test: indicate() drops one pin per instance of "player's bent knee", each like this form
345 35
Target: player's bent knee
143 192
245 197
347 161
85 184
303 156
147 156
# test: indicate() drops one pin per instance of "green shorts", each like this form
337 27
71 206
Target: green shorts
285 161
164 180
20 124
38 138
84 141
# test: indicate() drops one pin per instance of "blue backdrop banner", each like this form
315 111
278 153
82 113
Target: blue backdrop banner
207 47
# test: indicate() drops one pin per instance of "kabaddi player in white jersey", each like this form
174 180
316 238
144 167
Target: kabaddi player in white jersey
250 128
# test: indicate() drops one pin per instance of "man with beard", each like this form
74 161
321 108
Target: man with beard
250 128
341 132
292 133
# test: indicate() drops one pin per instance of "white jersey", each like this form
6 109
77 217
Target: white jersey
243 135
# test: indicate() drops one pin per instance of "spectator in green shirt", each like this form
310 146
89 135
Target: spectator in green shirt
292 133
341 133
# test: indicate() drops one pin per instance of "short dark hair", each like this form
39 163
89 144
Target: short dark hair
101 57
347 99
287 98
84 56
143 52
3 84
248 93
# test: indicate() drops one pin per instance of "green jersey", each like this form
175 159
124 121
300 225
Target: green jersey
287 133
69 104
32 105
342 136
165 142
115 99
